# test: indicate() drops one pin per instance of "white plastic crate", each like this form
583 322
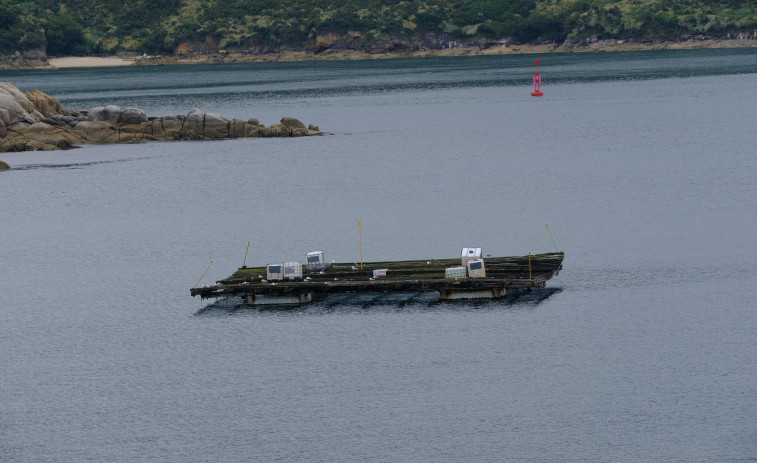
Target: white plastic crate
469 254
476 268
292 271
455 273
315 261
274 272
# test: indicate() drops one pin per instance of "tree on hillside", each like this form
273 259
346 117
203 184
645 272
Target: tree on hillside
65 37
20 27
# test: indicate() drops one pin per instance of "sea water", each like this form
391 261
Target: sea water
644 348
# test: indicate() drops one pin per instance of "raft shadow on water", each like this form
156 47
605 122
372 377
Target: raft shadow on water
76 165
401 302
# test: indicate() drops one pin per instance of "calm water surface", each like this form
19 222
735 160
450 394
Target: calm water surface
643 349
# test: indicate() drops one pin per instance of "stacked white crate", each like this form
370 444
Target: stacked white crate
315 261
476 269
292 271
455 273
470 254
274 272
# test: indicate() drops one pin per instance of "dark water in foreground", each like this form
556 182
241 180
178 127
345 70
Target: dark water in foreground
643 349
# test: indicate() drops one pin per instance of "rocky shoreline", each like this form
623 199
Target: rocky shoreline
337 49
410 50
34 121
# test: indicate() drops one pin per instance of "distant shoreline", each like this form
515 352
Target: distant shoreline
18 62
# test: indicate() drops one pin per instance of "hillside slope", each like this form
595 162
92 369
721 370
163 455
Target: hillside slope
85 27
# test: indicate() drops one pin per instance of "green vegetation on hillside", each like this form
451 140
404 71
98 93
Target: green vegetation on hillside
77 27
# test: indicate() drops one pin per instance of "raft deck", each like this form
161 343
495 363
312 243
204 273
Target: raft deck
502 274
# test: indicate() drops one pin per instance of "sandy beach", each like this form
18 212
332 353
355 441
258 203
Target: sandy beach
88 62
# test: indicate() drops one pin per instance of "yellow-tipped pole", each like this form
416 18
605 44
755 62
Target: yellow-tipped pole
529 265
360 231
244 262
203 274
553 238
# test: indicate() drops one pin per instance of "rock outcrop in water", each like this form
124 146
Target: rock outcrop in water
35 121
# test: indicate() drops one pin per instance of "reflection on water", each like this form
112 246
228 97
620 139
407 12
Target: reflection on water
381 302
76 165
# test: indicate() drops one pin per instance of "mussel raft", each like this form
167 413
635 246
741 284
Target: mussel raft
492 279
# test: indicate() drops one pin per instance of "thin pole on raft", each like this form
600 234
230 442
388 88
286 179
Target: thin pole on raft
553 238
244 262
360 231
203 274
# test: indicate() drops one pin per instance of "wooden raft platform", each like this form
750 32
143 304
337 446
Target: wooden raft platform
502 274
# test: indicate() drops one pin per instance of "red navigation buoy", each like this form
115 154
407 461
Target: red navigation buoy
537 81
